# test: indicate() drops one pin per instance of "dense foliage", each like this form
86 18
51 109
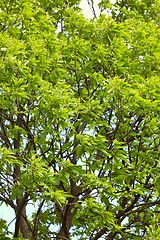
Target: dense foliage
79 119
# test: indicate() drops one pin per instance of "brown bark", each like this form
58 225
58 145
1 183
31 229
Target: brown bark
21 223
20 210
69 213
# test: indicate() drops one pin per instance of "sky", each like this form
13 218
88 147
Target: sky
87 10
6 212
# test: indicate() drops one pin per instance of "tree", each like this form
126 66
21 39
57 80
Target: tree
79 119
153 231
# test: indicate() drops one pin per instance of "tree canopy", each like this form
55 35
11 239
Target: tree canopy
80 119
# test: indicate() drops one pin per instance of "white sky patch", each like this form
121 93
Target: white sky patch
87 11
8 214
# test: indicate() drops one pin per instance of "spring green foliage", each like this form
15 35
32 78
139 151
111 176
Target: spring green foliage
79 119
153 231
